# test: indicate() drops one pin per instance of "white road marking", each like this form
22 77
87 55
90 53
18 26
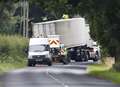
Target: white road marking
57 80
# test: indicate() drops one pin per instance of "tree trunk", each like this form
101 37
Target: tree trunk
117 60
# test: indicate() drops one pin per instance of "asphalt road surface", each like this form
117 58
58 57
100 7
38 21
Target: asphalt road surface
58 75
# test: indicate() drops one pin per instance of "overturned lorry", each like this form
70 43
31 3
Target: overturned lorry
74 35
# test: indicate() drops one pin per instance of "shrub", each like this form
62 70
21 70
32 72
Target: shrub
116 67
12 49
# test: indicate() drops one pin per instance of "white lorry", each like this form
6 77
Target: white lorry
74 34
39 52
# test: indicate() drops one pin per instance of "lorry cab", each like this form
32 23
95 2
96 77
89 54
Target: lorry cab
39 52
95 52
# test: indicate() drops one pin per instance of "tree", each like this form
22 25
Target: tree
7 21
104 18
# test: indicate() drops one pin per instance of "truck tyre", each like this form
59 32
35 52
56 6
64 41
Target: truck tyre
69 60
95 60
76 60
64 61
84 59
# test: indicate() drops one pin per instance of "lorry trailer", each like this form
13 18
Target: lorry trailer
74 34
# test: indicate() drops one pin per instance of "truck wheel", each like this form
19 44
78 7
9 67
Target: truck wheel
64 61
95 60
84 59
76 60
69 60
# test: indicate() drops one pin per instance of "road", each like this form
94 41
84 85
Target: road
58 75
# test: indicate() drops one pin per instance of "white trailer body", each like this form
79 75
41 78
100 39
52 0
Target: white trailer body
73 32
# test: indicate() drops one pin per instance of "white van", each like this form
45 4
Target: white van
39 52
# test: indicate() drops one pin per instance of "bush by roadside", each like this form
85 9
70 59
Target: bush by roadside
12 54
104 72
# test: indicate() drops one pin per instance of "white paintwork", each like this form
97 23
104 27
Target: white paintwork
38 53
73 32
38 41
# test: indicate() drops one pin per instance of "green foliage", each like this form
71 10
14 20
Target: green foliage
12 49
54 7
117 66
7 20
104 18
101 71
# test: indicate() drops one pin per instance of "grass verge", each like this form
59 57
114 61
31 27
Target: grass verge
103 72
5 67
12 52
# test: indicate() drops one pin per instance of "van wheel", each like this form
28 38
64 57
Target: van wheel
50 64
31 63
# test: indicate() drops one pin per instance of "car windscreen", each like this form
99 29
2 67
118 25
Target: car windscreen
38 48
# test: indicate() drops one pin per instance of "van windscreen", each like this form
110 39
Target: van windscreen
38 48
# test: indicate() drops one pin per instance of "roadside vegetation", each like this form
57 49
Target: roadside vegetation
103 71
12 52
107 69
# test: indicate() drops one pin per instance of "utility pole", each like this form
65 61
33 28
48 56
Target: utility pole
25 16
